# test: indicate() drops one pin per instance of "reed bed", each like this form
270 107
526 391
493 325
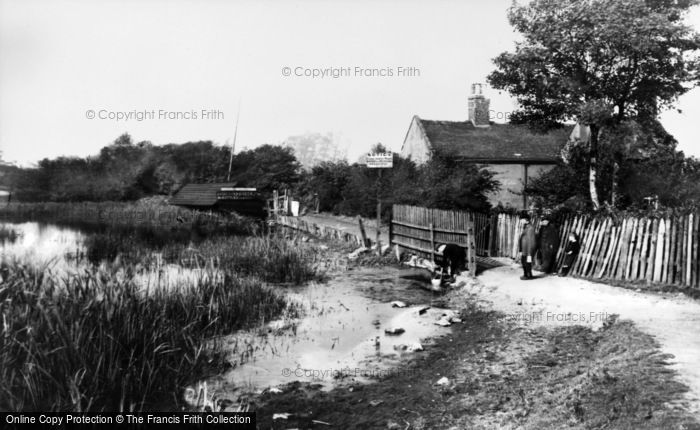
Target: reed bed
270 258
99 341
114 215
90 342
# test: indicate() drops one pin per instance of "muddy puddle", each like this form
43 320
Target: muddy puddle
341 337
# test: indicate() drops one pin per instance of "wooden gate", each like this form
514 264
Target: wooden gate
419 230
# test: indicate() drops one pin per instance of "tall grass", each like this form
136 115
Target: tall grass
98 341
88 342
270 258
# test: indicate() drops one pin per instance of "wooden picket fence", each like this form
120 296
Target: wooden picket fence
652 250
419 230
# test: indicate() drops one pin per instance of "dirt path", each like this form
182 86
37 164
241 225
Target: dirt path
673 320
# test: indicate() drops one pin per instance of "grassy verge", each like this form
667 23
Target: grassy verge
89 342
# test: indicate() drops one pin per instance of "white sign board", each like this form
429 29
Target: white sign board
380 160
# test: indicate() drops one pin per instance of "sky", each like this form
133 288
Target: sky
74 75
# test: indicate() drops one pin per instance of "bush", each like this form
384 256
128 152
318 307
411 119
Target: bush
443 182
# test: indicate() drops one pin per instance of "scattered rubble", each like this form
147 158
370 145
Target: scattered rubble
356 253
443 381
444 322
414 347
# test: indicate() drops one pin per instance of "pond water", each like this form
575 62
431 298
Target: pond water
47 246
339 338
54 249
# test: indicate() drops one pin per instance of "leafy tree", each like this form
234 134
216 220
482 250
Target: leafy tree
599 61
564 184
267 167
448 183
440 183
326 180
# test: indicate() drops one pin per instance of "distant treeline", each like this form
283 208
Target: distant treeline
127 171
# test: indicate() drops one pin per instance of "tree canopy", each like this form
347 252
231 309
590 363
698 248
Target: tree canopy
600 62
636 55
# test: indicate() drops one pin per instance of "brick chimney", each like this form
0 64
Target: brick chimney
478 106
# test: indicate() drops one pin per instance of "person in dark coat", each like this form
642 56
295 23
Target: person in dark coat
573 246
453 257
528 248
548 244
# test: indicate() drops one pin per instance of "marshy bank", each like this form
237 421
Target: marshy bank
91 323
112 317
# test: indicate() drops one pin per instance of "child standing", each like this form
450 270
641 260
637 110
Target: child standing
571 251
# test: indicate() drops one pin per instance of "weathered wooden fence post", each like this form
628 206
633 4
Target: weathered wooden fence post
472 245
432 242
365 241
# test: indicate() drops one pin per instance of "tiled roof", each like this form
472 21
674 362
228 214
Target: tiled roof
498 142
198 194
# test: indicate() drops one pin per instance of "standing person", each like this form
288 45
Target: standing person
548 244
573 246
528 248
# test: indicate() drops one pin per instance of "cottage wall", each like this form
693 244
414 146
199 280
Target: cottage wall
415 145
512 178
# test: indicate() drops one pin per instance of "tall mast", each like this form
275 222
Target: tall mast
233 146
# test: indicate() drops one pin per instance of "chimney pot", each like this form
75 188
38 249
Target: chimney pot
478 106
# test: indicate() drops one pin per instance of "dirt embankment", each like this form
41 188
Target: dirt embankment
503 375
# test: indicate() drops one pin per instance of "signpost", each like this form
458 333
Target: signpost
383 160
380 160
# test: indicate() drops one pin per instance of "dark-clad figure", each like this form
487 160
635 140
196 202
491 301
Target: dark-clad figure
528 248
453 258
573 246
548 244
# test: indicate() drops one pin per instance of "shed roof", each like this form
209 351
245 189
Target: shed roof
199 194
496 143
